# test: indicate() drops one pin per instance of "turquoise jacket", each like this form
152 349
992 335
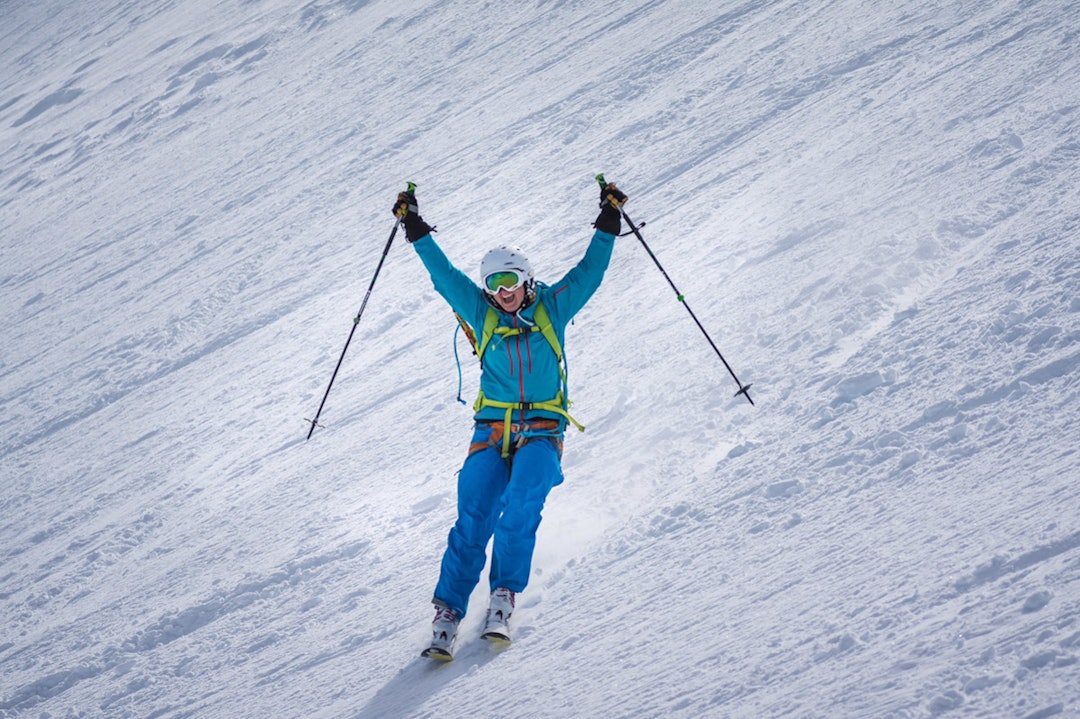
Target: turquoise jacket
522 367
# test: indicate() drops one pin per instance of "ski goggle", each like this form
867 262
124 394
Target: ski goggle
508 280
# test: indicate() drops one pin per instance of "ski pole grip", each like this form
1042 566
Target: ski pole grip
609 199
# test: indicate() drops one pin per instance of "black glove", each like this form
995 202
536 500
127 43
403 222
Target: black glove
405 209
610 218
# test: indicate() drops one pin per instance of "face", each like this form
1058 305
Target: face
507 289
510 301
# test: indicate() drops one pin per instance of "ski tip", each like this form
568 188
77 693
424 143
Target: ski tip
600 178
440 655
497 639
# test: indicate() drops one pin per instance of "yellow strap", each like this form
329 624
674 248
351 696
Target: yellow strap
491 322
543 323
554 405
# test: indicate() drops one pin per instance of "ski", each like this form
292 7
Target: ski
499 637
441 654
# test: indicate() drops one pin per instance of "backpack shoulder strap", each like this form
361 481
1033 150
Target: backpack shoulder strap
543 322
491 321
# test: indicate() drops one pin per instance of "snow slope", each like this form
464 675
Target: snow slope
872 207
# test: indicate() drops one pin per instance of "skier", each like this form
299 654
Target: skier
520 415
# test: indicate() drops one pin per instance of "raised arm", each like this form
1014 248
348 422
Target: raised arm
570 294
456 288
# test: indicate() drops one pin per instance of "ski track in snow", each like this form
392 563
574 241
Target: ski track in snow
872 209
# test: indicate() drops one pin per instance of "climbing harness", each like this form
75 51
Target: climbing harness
521 433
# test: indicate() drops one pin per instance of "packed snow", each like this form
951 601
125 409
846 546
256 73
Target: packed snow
873 208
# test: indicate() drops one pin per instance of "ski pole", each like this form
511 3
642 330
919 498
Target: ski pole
356 320
743 389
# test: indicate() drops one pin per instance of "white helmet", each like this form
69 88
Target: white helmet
503 258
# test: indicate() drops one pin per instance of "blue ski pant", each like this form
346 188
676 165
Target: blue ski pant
500 497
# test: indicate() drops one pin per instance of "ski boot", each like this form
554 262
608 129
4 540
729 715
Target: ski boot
444 633
497 629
